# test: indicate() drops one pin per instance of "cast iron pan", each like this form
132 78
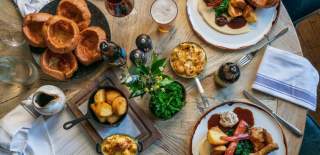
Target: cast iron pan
91 115
97 19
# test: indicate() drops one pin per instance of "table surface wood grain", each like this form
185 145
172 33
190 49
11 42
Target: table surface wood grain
177 131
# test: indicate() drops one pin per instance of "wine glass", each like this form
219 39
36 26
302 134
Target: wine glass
119 8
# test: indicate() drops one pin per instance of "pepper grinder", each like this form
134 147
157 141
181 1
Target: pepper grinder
227 74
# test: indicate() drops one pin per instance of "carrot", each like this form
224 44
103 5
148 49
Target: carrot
241 128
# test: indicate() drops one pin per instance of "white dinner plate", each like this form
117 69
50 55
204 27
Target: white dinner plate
265 20
261 119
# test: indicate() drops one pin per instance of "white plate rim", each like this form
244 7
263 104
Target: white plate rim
236 102
188 9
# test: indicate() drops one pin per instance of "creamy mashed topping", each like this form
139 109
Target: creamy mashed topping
228 119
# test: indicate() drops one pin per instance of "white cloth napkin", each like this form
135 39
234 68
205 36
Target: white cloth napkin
289 77
30 6
22 132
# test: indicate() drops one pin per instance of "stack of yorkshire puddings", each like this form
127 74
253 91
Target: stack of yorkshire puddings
67 37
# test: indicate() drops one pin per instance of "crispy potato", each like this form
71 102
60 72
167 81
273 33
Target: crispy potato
104 109
113 119
119 105
214 136
102 119
93 106
238 3
234 12
111 95
249 14
100 96
218 150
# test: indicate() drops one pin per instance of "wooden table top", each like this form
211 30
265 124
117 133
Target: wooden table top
177 131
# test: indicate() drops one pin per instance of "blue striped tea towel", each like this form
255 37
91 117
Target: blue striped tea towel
289 77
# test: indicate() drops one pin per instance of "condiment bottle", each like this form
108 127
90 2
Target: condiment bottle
48 100
113 53
227 74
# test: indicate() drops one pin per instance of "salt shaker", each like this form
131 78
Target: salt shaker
227 74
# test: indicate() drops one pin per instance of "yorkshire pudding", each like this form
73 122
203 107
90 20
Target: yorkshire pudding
32 26
61 34
59 66
76 10
263 3
87 50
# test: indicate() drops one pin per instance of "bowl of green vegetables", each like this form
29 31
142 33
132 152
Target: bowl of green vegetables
167 102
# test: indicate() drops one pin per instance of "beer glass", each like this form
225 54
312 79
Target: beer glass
164 12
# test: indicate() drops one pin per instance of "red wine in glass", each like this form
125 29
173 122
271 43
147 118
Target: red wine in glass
119 8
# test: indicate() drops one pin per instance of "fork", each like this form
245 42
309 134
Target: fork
246 59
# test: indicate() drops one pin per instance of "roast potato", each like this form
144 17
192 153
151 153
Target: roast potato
113 119
214 136
249 14
234 12
111 95
104 109
119 105
218 150
100 96
238 3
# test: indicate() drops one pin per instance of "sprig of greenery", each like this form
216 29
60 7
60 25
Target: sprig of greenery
148 78
222 8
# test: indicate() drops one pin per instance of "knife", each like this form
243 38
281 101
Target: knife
288 125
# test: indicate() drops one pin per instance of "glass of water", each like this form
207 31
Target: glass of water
17 71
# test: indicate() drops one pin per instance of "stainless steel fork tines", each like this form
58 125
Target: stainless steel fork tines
246 59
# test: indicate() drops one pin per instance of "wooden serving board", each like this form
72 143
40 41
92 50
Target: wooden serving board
148 133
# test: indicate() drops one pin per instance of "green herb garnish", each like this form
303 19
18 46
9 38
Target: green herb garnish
230 132
222 8
244 147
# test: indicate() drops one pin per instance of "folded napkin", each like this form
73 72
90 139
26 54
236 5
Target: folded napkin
30 6
289 77
23 130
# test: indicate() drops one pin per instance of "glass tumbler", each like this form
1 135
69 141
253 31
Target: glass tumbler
164 12
17 71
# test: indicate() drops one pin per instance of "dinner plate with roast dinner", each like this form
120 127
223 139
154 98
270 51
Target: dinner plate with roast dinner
238 128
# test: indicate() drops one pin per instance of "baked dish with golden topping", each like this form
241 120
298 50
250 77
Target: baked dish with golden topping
59 66
188 59
32 26
61 34
87 50
119 145
76 10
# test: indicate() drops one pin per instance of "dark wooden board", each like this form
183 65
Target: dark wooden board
149 133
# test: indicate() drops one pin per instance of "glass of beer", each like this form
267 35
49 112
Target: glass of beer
164 12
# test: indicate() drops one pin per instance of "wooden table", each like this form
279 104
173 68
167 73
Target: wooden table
177 131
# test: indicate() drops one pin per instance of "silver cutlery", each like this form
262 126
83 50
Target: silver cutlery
246 59
288 125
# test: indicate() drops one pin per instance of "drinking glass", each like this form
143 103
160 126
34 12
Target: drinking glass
11 34
19 71
164 12
119 8
12 38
